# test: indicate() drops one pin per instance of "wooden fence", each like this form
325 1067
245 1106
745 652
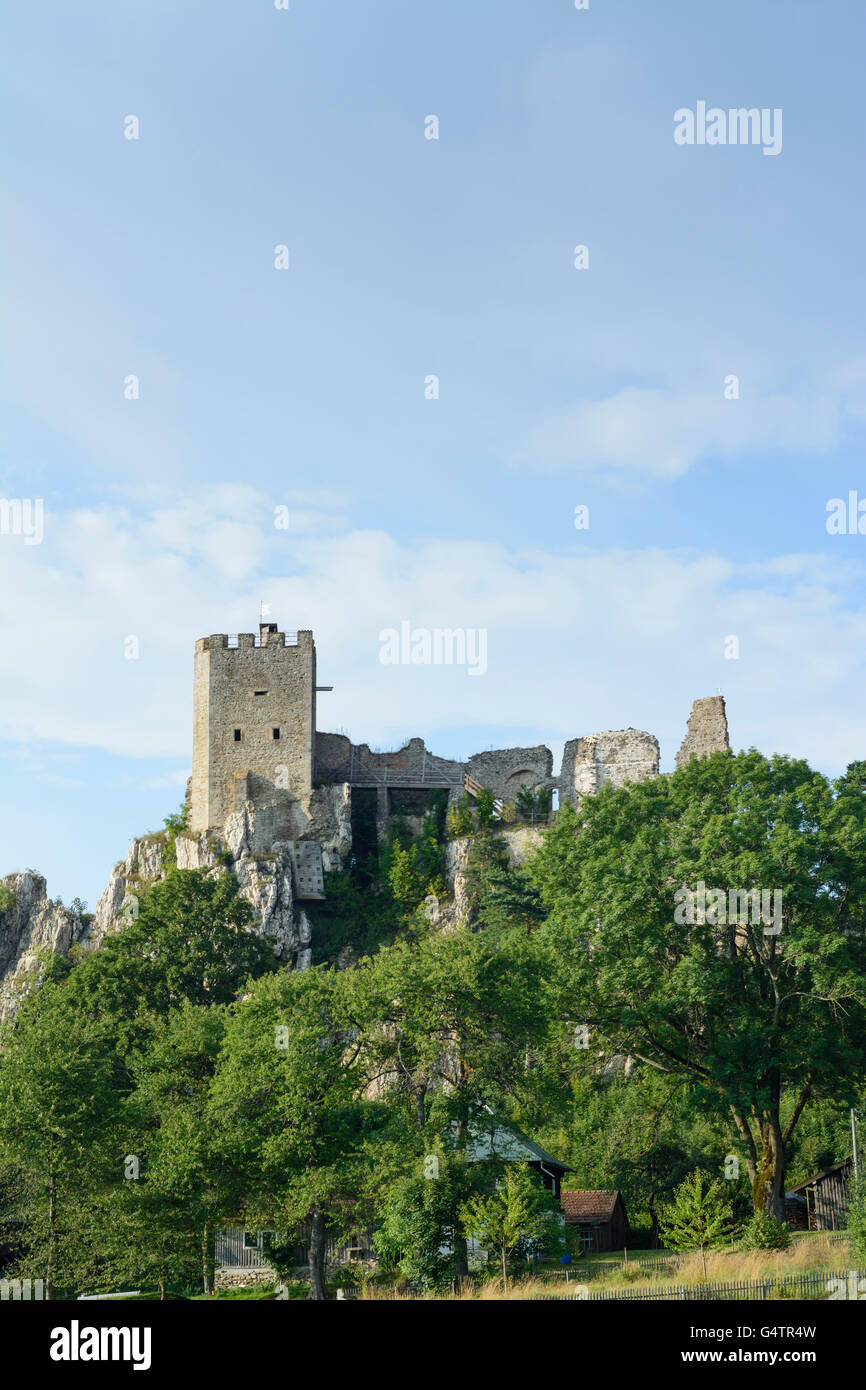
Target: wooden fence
843 1283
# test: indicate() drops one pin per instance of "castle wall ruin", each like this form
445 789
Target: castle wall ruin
255 744
610 759
707 730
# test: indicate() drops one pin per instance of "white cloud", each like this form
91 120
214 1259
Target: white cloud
576 643
660 434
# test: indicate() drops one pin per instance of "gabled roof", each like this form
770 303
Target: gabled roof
589 1204
497 1138
538 1152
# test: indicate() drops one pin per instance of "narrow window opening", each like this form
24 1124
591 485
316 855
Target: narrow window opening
260 692
237 735
276 733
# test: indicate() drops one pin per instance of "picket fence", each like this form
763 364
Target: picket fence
821 1283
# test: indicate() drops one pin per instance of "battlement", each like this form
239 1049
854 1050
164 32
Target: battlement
232 641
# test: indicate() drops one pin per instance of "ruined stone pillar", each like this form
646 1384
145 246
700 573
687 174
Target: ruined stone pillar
707 731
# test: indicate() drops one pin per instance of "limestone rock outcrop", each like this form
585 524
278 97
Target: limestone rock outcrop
29 924
266 879
521 841
144 862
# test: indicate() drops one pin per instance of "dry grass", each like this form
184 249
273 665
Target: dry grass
469 1292
802 1257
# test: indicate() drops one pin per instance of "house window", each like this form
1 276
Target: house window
251 1240
237 735
276 733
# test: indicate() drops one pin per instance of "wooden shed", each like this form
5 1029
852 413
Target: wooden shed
826 1197
600 1214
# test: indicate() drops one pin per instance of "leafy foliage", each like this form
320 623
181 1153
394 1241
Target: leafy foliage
764 1232
460 819
518 1214
857 1218
699 1217
744 1015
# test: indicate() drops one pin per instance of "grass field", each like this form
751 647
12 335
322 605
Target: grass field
807 1254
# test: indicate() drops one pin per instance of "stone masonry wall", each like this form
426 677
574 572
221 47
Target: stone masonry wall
226 681
707 730
609 759
506 770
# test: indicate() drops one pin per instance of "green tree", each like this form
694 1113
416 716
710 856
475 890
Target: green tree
61 1082
533 805
144 1239
176 821
285 1101
764 1021
454 1014
498 894
403 876
418 1230
640 1131
190 940
856 1229
183 1180
518 1212
74 1076
78 908
450 1024
699 1217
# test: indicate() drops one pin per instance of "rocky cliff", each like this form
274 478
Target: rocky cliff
30 923
266 873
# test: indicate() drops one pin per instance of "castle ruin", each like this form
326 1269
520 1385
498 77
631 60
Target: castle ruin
273 798
257 751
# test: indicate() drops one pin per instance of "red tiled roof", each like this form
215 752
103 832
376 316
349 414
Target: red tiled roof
589 1205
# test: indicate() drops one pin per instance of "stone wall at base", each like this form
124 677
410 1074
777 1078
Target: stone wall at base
244 1278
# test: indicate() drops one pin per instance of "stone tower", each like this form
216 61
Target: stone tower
254 725
707 730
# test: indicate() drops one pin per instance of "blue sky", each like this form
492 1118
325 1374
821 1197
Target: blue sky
305 388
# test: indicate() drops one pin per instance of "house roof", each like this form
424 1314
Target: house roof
841 1167
590 1204
541 1153
497 1138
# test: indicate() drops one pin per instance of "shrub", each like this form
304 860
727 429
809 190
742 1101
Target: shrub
763 1232
176 822
459 819
484 806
